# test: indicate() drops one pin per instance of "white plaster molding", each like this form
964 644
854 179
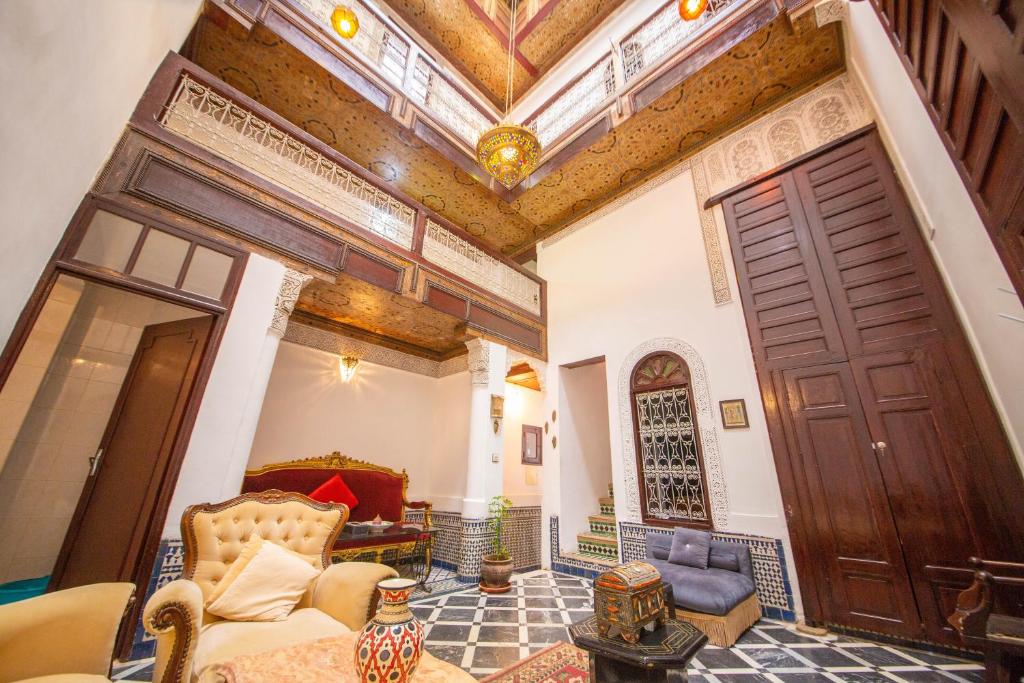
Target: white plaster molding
479 361
287 295
705 420
342 345
829 11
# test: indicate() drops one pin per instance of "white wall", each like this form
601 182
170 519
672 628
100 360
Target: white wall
523 406
974 275
636 274
383 415
71 74
451 446
209 474
586 454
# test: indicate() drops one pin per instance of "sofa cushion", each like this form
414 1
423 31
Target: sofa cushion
334 490
711 591
690 547
723 559
263 584
223 640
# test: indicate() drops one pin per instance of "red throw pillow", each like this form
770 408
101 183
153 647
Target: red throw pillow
334 490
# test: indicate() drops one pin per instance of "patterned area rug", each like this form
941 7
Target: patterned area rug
560 663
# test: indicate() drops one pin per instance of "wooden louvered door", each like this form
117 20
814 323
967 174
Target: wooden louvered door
932 460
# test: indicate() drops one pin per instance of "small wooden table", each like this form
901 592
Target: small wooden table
401 545
661 655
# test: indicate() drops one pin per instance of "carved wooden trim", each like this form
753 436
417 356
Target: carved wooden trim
270 497
337 461
177 618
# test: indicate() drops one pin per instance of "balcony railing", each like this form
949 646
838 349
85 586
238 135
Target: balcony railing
221 125
664 32
215 122
376 42
588 91
458 256
430 89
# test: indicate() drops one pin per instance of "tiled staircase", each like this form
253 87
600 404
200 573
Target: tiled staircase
601 542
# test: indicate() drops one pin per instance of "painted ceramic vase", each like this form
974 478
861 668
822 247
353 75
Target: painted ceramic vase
389 646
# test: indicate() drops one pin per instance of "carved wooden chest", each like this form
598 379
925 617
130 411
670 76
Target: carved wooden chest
628 598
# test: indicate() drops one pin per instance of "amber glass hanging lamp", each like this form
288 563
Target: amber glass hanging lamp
509 152
691 9
345 22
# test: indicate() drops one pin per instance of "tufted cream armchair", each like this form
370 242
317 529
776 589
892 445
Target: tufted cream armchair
340 600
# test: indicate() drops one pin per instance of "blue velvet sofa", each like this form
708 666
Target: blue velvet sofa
720 600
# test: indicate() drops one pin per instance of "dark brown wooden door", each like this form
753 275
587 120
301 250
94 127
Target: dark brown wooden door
113 522
941 472
853 528
784 296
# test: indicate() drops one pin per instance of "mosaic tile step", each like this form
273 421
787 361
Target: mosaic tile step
594 544
602 525
607 506
592 559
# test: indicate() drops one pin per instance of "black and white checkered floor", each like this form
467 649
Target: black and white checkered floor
485 633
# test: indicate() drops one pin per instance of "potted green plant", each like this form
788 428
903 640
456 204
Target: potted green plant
496 567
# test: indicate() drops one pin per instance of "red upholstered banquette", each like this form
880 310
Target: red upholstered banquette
380 490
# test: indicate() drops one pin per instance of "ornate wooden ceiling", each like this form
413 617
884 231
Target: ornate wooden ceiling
473 36
371 313
768 67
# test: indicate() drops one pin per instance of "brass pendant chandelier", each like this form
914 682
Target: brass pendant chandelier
509 152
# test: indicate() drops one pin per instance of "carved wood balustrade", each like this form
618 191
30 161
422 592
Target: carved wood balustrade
197 147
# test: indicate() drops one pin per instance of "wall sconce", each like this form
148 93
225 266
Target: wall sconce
497 410
347 368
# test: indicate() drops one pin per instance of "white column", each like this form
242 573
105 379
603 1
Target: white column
287 295
483 475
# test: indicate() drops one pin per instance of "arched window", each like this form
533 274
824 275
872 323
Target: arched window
670 467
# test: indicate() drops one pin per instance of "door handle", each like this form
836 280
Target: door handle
879 447
94 462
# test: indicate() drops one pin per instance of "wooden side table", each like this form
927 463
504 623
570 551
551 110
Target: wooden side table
661 655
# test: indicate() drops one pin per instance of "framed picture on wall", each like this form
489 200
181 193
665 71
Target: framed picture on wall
734 413
533 439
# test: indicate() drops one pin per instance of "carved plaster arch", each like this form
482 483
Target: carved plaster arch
705 418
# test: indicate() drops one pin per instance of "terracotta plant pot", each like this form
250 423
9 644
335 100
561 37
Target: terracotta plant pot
495 575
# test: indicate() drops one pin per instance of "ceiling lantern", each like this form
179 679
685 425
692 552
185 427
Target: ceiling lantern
691 9
509 153
345 22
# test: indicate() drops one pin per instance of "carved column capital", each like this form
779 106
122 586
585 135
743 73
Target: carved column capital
287 295
479 361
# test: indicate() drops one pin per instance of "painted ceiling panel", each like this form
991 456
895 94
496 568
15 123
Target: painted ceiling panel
459 32
269 70
358 304
767 69
558 32
761 73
